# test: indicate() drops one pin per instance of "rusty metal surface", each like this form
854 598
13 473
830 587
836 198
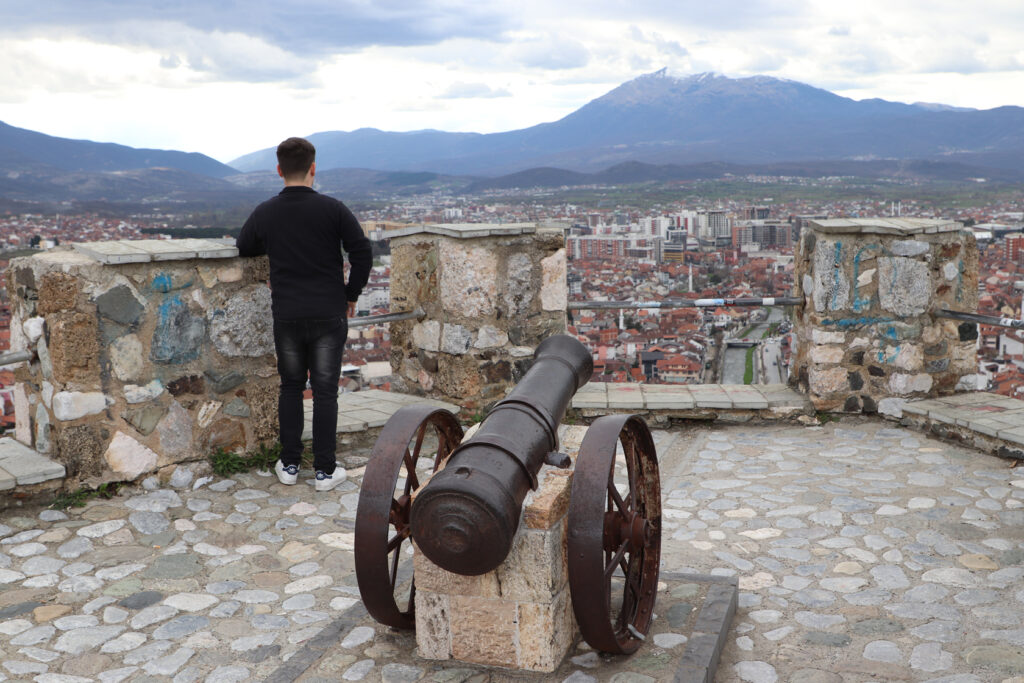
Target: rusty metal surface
614 540
382 515
464 520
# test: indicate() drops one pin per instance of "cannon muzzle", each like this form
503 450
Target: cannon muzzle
465 517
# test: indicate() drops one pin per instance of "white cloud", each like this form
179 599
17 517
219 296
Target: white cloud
225 79
460 90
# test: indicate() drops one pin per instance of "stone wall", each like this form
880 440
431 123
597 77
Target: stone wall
146 357
491 293
866 336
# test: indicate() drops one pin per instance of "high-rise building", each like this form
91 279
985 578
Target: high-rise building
1013 248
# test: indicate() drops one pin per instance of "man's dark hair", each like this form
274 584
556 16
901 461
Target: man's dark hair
295 156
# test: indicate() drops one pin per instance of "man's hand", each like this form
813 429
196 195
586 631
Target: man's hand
351 309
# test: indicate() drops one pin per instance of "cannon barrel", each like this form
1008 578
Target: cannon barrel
464 518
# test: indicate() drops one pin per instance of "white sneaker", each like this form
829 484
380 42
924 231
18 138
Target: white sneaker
326 482
286 474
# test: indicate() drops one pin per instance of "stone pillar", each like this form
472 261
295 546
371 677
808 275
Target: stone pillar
866 336
149 353
518 616
491 293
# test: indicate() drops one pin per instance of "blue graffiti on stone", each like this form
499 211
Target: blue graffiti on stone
856 322
178 337
859 302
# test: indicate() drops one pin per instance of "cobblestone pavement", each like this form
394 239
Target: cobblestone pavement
864 552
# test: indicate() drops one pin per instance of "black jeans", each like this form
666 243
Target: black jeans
313 347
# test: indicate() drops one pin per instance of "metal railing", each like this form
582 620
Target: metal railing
767 301
366 320
684 303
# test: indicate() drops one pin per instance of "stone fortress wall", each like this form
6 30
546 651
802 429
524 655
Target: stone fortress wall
147 354
491 294
155 352
866 337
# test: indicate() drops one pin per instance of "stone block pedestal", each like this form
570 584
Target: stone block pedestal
518 616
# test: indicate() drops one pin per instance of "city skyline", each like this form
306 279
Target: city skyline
226 80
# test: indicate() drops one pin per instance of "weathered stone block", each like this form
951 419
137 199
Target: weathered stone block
187 384
426 335
459 376
237 408
909 357
909 248
145 419
546 631
489 337
137 394
42 429
22 415
72 405
820 336
455 339
58 292
126 359
827 381
79 448
517 286
221 382
33 329
178 337
120 305
831 283
550 502
484 631
207 412
554 292
431 578
263 404
535 567
469 279
74 347
433 630
175 434
226 434
901 384
128 458
827 354
904 286
244 327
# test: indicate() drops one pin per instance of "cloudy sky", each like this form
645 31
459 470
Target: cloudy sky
227 77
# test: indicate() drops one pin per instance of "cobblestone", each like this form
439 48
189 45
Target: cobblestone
857 542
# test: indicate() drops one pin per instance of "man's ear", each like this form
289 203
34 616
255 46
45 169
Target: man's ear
312 169
279 171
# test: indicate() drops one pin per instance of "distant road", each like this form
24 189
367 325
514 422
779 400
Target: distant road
734 362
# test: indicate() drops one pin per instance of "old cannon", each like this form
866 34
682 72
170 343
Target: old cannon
464 519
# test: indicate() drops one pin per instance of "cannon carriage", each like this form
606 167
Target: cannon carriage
460 501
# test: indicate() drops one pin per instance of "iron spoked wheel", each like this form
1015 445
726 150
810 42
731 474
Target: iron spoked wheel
615 535
382 515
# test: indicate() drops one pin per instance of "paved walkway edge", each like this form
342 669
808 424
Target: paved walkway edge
700 660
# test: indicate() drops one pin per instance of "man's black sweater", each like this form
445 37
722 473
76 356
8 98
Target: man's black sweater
303 232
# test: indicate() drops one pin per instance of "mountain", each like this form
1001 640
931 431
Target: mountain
660 118
23 150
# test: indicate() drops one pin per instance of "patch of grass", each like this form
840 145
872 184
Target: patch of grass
77 499
225 462
825 418
748 373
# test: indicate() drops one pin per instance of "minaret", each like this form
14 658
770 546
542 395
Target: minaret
691 278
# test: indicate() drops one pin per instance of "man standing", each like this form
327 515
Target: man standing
303 233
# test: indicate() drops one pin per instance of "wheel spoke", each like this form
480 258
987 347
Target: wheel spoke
394 565
609 568
412 482
397 539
